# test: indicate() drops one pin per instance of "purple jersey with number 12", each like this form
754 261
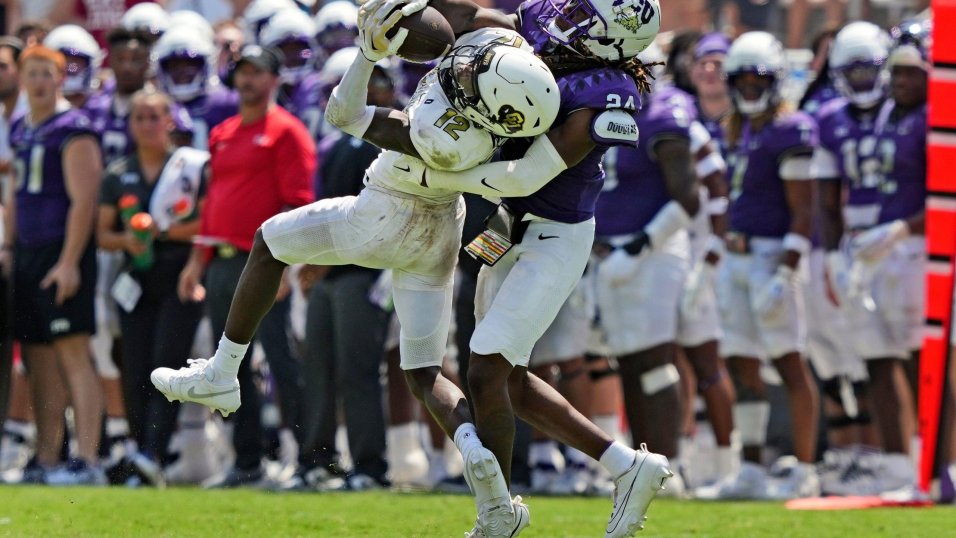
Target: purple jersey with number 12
848 136
903 189
571 197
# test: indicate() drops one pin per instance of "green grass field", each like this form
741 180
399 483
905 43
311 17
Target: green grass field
44 512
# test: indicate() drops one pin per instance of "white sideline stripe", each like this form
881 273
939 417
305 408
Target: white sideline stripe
939 203
944 74
938 268
938 138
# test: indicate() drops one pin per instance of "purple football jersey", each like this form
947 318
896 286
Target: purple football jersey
42 199
714 127
208 111
304 101
758 204
572 195
636 186
903 188
823 95
111 121
848 134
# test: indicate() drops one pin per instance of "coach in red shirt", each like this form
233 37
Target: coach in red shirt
262 163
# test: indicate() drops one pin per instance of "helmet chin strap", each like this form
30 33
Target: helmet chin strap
751 108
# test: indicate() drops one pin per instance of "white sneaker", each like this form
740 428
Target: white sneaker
633 492
575 480
522 520
792 479
192 384
496 515
543 477
748 484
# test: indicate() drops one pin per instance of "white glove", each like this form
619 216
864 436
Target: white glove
877 242
619 267
375 20
837 275
407 9
859 284
701 278
770 301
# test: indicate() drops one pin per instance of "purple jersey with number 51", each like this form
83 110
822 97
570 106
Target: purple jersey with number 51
571 196
42 198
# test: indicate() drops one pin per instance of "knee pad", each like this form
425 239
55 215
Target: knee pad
423 339
658 379
751 419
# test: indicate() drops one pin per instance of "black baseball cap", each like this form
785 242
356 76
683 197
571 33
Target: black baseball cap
265 58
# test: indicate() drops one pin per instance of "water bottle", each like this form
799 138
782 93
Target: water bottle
141 224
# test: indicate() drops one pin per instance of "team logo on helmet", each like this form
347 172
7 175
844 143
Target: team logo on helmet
509 118
628 16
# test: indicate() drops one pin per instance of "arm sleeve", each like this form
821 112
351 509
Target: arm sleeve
295 156
347 107
824 164
515 178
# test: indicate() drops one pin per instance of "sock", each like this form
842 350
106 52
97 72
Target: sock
466 438
728 461
617 459
576 458
19 428
225 363
542 452
117 427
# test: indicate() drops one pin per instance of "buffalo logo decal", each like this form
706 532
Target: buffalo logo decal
512 120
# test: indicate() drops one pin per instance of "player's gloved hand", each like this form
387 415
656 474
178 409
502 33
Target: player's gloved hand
837 273
407 7
700 279
875 243
619 267
770 302
373 25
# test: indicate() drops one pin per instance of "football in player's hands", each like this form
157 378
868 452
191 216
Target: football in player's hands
430 35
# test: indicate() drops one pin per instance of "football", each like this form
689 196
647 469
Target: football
429 36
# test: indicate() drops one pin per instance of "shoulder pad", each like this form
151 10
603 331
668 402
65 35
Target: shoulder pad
614 128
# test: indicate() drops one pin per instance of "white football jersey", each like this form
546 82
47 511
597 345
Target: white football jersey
445 139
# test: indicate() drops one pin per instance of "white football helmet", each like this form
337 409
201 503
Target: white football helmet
258 13
336 26
758 53
193 20
147 16
80 48
504 89
293 32
182 43
615 30
858 63
338 63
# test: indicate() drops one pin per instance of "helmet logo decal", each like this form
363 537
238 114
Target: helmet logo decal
509 118
628 16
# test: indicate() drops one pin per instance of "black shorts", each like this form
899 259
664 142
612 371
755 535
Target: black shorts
37 319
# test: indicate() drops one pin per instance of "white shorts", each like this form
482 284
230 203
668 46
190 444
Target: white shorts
704 326
567 337
642 313
828 330
897 285
417 238
518 299
746 334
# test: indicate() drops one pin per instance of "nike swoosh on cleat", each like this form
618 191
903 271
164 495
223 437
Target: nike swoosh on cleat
624 501
406 169
484 181
192 393
542 237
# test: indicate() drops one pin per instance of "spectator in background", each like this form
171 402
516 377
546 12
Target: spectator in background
345 332
263 161
228 40
32 32
58 164
157 326
799 14
821 89
680 58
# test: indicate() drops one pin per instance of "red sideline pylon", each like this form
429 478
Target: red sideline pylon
940 233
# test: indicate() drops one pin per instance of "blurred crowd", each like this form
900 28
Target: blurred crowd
104 282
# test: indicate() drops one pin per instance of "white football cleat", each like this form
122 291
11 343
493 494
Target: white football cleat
192 384
791 479
496 515
633 492
750 483
522 520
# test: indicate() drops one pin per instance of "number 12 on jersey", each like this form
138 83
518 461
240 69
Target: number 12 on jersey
452 123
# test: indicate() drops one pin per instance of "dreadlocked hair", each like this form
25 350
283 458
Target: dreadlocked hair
569 62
